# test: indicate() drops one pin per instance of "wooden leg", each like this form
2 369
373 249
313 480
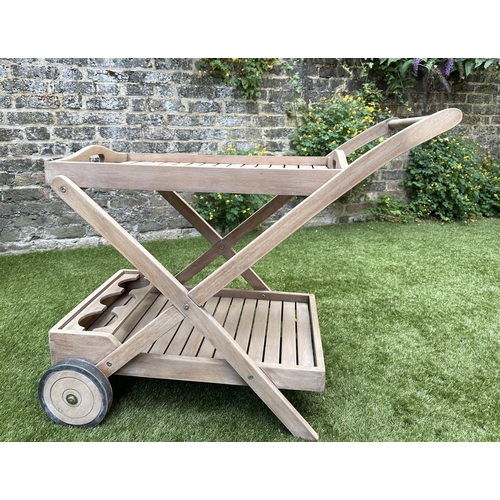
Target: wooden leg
222 246
166 283
251 374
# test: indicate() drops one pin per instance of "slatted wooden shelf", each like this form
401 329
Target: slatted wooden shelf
279 331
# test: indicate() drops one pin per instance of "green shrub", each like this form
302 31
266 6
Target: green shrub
326 125
451 178
226 211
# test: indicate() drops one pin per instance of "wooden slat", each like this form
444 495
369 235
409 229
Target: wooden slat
179 338
273 338
196 338
226 159
305 354
207 349
123 354
258 338
233 319
245 327
161 344
316 337
289 339
159 305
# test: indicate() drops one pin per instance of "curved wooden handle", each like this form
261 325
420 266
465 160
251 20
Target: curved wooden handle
104 155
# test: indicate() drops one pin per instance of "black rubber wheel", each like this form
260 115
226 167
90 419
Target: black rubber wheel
75 392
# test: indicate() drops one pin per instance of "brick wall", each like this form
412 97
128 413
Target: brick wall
52 107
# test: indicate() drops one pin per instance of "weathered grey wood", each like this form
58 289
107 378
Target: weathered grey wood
273 338
398 123
207 350
319 361
338 159
105 154
99 301
226 159
360 140
289 335
219 371
150 177
257 342
219 247
149 334
232 319
223 246
125 315
305 351
65 344
196 338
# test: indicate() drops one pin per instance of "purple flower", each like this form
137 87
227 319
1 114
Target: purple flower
447 67
416 62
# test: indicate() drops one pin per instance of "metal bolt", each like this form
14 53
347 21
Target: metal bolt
221 247
263 296
250 377
63 189
186 307
109 363
72 399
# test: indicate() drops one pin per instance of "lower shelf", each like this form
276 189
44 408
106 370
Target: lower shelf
278 330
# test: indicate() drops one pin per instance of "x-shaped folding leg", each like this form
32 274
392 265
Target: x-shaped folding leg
222 246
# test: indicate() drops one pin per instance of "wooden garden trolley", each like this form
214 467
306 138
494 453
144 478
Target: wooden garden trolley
145 322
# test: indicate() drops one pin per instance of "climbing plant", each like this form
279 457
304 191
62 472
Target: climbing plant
244 74
401 73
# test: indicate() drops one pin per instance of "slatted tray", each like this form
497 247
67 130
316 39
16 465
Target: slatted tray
277 330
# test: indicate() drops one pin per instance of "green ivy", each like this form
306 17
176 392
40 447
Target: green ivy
244 74
226 211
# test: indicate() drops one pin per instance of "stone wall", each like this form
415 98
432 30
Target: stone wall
50 108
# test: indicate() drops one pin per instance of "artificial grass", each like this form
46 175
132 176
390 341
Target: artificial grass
409 319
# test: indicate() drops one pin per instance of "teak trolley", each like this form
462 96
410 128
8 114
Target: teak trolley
145 322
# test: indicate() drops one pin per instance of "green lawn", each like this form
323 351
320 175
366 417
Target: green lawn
409 316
